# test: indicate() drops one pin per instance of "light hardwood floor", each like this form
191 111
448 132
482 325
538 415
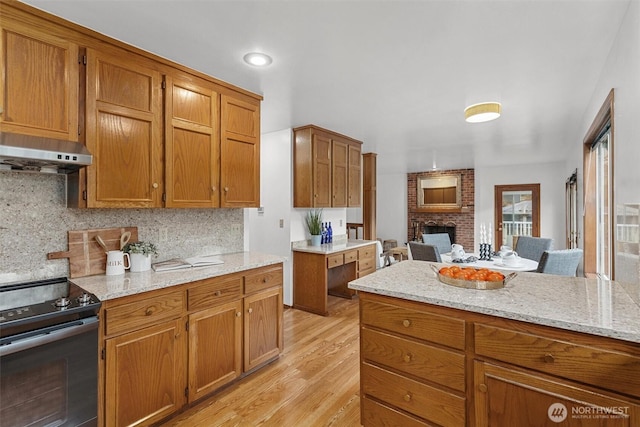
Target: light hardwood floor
315 382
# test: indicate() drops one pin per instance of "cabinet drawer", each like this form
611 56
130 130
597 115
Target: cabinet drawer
214 291
368 252
366 265
262 278
138 314
335 260
591 365
350 256
430 363
414 323
376 414
424 401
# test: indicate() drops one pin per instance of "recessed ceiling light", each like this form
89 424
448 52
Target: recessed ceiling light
257 59
483 112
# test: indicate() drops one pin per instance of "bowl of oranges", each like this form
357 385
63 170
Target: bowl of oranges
472 278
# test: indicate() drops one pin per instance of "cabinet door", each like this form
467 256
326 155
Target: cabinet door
240 153
321 171
339 168
124 132
145 374
355 189
215 348
263 338
39 82
508 397
192 145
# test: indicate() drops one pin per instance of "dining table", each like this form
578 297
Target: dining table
495 263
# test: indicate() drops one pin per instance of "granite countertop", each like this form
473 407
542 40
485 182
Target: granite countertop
111 287
593 306
330 248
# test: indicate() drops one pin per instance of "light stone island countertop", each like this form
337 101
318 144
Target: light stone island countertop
330 248
111 287
597 307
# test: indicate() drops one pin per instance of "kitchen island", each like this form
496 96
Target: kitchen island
168 339
541 350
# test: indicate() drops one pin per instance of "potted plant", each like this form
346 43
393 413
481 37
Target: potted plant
314 225
140 253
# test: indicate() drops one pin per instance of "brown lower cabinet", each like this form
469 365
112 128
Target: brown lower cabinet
162 350
426 365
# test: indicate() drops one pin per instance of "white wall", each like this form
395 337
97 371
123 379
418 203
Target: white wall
550 176
391 220
263 230
622 73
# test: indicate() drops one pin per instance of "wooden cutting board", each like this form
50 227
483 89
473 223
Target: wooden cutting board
86 256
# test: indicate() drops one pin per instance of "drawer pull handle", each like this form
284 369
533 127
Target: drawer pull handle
482 388
406 323
407 397
217 293
148 312
407 357
548 358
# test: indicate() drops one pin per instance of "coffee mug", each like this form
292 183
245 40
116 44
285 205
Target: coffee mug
116 262
457 252
504 250
511 258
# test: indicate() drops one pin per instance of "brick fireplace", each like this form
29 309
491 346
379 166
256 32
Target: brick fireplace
460 221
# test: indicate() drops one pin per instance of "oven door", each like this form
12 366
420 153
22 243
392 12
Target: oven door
50 377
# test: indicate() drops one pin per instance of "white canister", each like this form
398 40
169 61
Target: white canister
116 262
140 262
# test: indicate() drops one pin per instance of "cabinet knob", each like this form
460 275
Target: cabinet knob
406 323
217 293
148 311
238 314
155 185
213 188
548 358
407 357
250 310
482 388
264 280
407 397
226 189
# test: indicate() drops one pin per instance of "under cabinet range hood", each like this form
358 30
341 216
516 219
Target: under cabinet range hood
38 154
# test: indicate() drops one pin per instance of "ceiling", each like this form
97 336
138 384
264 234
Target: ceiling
395 74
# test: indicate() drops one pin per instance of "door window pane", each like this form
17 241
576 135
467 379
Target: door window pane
517 215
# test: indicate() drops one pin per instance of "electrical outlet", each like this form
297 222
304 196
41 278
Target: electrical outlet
340 223
281 223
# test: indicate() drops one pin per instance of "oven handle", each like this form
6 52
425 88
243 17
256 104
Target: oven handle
66 331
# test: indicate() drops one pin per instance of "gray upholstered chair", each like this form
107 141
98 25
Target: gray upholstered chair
423 252
562 262
440 240
532 247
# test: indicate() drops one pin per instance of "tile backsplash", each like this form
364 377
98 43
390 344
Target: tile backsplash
34 221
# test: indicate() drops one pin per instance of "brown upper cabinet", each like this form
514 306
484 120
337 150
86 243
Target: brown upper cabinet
240 153
192 144
326 169
39 82
162 135
123 132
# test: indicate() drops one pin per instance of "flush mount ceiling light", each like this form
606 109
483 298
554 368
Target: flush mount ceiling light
257 59
483 112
